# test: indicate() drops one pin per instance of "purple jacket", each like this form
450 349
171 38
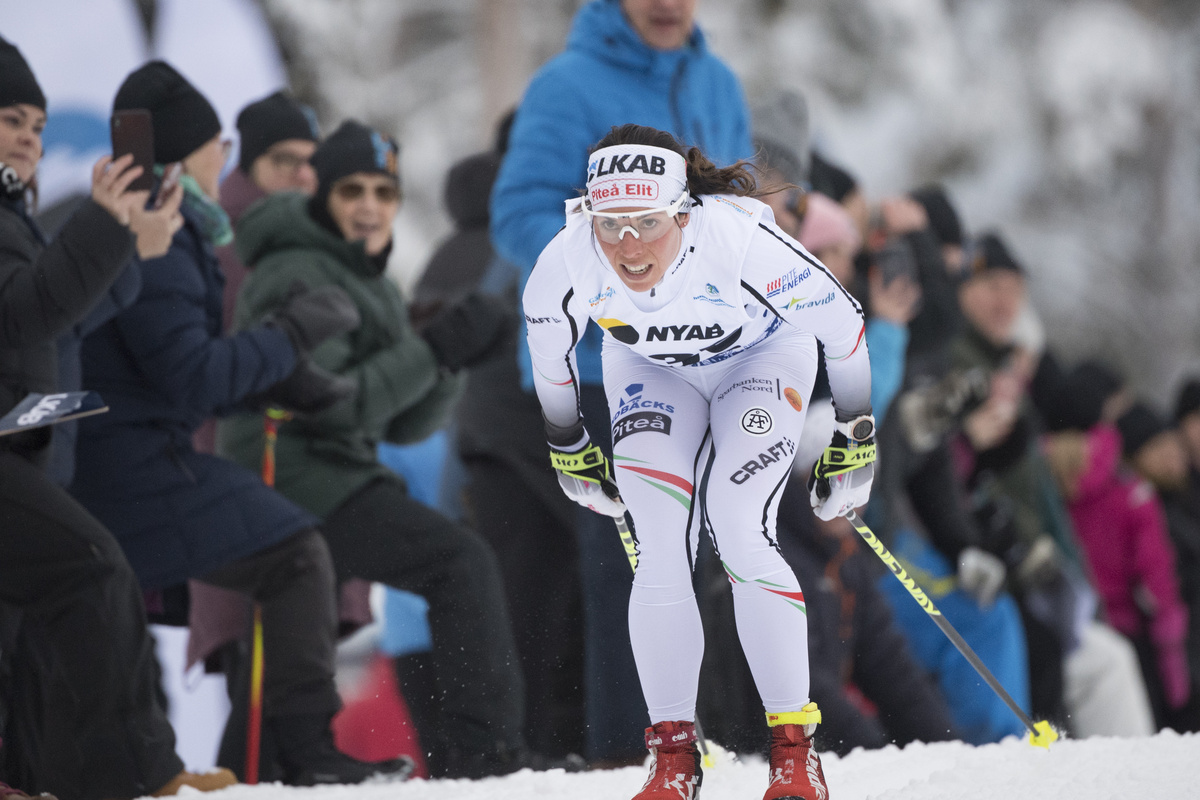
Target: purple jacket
1120 524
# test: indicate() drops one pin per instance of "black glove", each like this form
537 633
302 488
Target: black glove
466 333
310 316
308 390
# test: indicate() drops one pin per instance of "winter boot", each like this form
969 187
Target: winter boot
796 772
309 757
203 781
675 772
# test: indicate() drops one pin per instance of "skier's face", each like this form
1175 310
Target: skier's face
21 138
661 24
640 264
363 205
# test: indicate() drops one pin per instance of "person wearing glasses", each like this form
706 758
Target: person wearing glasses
466 694
278 135
163 367
712 316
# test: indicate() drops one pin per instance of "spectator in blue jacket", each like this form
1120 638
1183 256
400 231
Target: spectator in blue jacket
626 61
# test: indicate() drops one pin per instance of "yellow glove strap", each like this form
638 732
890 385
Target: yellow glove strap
574 464
839 460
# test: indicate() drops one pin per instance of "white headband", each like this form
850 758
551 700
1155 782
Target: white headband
635 176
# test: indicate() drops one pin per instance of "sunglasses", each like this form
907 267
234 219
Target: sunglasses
647 226
384 193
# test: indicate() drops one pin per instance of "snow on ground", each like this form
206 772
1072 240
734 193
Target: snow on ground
1162 767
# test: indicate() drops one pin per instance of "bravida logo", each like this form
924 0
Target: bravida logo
798 302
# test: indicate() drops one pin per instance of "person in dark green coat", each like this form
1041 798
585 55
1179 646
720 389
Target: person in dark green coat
466 695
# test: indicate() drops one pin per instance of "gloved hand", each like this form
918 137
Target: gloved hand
1173 671
841 479
310 316
586 477
464 334
310 389
981 575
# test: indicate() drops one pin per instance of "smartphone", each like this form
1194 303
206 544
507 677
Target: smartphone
169 182
133 132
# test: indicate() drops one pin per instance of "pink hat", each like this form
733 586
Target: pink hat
827 224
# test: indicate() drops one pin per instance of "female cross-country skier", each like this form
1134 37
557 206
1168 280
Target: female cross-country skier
712 316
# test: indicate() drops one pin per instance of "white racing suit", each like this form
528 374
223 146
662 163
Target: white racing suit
707 379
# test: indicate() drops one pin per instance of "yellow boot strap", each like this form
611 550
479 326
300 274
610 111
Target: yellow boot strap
809 715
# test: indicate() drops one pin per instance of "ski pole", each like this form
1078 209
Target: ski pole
271 421
1040 733
631 554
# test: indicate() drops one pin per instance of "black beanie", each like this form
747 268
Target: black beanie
183 118
352 148
943 219
270 120
469 188
1188 401
1138 426
990 252
830 179
17 84
1084 392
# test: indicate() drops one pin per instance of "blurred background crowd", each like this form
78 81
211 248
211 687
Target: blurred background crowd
1008 188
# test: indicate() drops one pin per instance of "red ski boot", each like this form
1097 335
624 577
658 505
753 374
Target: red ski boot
675 772
795 766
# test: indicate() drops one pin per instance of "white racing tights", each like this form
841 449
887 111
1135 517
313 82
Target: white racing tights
712 444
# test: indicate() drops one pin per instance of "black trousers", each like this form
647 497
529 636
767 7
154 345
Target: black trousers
293 583
467 693
84 717
539 559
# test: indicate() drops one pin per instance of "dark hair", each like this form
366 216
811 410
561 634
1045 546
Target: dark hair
703 176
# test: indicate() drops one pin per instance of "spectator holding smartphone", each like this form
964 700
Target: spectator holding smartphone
163 367
84 720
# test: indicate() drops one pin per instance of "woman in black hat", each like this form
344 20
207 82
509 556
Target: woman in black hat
84 720
164 367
